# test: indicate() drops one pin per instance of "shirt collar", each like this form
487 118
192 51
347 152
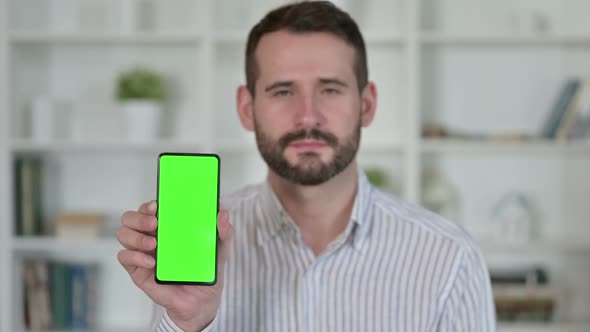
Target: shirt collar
274 218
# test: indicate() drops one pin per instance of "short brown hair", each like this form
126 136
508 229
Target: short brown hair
306 17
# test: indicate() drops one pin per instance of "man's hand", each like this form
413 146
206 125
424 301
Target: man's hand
192 308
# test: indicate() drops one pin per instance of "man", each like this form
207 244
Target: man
316 247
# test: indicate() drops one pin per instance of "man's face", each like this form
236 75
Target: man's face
307 106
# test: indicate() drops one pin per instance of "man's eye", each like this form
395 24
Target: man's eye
331 91
282 93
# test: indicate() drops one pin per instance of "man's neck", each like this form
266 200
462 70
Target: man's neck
321 212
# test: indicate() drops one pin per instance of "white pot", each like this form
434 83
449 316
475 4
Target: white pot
143 120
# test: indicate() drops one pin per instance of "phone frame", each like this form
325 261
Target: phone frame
167 282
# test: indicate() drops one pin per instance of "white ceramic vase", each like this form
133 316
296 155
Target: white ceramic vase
143 120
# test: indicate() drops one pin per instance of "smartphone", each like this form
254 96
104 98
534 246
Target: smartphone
188 202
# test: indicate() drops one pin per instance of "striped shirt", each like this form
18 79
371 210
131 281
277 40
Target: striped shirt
396 267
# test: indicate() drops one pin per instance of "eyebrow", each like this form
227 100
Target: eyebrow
287 84
279 84
333 81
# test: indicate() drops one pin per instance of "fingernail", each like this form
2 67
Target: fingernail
152 206
149 260
224 219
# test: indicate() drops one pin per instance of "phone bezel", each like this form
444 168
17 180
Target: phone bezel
182 282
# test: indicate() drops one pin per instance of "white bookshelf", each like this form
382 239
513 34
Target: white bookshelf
106 147
428 38
36 38
534 327
458 63
499 147
53 245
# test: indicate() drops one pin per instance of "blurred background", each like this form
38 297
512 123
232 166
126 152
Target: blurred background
483 117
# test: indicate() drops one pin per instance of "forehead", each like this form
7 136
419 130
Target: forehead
283 53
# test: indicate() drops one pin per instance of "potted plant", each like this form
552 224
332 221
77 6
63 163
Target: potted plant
141 94
376 177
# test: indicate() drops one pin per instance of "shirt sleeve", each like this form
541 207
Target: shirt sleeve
469 306
161 322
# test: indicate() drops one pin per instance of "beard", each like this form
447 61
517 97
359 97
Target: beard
309 170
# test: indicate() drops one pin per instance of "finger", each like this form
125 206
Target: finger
131 260
140 222
134 240
148 208
226 232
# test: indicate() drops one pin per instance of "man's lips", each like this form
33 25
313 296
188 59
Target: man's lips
307 144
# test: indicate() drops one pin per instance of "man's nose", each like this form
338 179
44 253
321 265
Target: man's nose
309 114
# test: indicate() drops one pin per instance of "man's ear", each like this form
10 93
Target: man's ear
368 104
245 107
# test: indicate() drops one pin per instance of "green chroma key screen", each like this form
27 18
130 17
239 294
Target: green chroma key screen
188 196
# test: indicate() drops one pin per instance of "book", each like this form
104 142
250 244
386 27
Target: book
524 303
528 276
560 108
28 181
60 296
37 295
32 317
580 101
580 128
79 225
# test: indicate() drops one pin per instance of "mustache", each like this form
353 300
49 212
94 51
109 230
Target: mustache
312 133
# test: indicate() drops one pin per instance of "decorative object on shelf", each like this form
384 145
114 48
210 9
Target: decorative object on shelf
512 219
440 196
79 225
141 93
94 16
378 177
42 119
51 119
128 19
146 15
434 131
529 22
523 294
136 16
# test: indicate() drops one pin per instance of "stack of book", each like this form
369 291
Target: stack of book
59 295
79 225
523 295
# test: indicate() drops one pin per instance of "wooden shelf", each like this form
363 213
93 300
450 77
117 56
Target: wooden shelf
545 327
237 38
24 146
104 38
372 38
433 38
377 38
540 146
536 247
53 244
